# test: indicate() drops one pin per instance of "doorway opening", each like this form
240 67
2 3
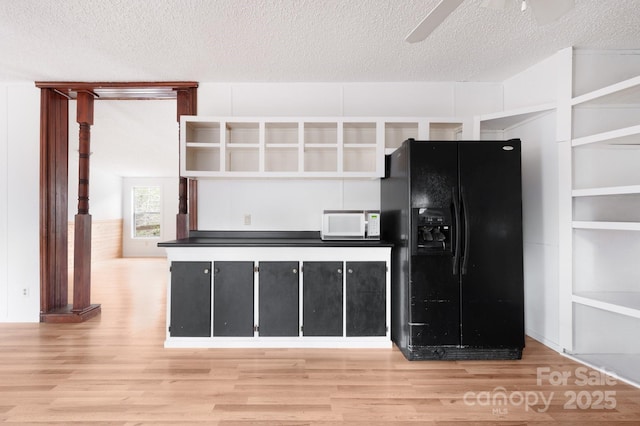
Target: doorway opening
55 184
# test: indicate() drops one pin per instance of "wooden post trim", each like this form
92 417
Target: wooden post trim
54 144
193 204
82 241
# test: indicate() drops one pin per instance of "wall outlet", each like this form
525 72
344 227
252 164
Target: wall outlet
25 292
247 219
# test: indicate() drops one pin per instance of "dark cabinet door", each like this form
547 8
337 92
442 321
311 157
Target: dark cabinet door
233 299
279 297
190 299
366 301
322 299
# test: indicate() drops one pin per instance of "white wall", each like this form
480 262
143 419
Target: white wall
540 226
274 204
595 69
445 99
536 85
540 84
19 202
298 204
4 204
148 247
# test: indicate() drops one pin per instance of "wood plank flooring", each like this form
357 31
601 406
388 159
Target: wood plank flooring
113 369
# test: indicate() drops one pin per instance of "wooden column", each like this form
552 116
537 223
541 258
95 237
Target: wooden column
82 243
186 105
193 204
54 146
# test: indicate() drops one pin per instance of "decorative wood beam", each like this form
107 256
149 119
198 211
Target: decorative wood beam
121 90
92 86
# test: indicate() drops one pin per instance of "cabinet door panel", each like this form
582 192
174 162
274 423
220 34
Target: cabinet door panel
366 301
322 299
278 304
233 299
190 299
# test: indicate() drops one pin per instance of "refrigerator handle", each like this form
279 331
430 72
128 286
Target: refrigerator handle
456 247
467 233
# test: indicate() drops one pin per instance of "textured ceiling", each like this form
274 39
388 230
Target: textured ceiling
291 40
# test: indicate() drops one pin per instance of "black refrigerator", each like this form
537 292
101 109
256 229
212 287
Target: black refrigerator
453 210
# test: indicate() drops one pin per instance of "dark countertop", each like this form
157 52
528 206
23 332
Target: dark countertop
266 239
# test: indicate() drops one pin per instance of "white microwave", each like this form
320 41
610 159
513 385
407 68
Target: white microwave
350 225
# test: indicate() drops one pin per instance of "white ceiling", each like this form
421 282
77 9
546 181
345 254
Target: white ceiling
291 40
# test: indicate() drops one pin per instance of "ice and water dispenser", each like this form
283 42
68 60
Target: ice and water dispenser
432 231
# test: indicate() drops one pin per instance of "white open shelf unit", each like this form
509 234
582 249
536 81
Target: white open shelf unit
296 147
493 126
621 302
605 245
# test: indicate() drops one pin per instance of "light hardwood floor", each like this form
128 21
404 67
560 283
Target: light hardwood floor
113 369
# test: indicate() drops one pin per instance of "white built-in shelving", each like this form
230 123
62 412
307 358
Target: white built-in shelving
608 190
612 226
300 147
621 302
605 244
494 125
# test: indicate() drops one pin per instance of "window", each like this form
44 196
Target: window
146 211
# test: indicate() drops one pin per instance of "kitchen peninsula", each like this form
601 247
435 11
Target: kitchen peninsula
277 289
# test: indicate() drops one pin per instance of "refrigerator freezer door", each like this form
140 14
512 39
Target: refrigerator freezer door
492 283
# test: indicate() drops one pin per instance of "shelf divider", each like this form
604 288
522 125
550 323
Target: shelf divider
614 226
609 190
626 134
621 302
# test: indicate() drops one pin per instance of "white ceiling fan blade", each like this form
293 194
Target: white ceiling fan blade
432 20
546 11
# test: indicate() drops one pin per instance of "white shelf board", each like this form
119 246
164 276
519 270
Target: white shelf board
610 190
618 93
506 119
282 145
232 146
626 136
613 365
202 145
614 226
360 145
620 302
321 145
